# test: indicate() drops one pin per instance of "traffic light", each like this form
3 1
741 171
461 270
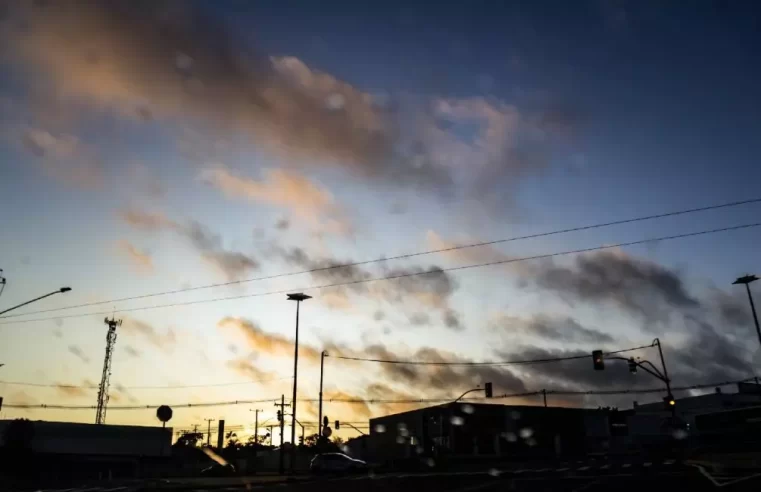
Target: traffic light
279 416
632 365
338 425
325 421
669 402
488 390
599 363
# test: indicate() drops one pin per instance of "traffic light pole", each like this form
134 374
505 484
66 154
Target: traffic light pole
319 420
663 365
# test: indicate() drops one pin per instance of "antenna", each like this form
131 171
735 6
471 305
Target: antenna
100 414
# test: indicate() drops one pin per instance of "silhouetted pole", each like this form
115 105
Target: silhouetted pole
208 432
544 395
747 280
282 429
59 291
298 298
319 420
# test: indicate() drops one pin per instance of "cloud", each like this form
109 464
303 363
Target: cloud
419 319
282 224
550 328
409 287
233 265
639 287
158 60
259 341
131 351
67 391
64 157
304 199
247 369
481 254
164 341
141 260
79 353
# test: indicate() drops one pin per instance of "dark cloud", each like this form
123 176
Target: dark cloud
79 353
642 288
419 319
282 224
558 329
232 264
166 61
379 315
131 351
452 320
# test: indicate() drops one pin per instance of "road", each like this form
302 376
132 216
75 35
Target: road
639 476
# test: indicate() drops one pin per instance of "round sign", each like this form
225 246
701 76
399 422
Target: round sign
164 413
327 432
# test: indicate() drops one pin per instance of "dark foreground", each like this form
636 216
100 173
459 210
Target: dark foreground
621 477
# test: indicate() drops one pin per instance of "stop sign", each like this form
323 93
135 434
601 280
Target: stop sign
164 413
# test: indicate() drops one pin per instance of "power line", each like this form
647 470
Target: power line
493 363
402 256
393 401
217 385
399 276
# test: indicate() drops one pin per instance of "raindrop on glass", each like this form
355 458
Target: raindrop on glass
680 434
531 441
510 436
457 420
345 449
380 428
335 101
494 472
468 409
400 440
183 61
526 432
430 462
419 450
404 432
515 415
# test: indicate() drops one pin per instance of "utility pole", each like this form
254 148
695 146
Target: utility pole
747 279
544 395
208 432
105 378
319 420
298 297
256 425
281 414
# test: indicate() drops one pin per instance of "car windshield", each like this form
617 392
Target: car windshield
402 236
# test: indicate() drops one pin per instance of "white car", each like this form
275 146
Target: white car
336 463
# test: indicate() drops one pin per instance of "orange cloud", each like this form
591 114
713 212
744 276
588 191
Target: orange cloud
140 259
247 368
164 341
63 157
306 200
261 341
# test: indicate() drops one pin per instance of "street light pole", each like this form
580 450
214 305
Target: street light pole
298 297
747 280
59 291
319 420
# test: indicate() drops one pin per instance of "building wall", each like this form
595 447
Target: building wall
97 440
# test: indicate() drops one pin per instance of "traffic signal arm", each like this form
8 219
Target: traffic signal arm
641 364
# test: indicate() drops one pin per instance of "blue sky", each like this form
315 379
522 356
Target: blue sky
135 163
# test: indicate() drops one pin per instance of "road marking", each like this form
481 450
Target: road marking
562 469
646 464
626 465
586 486
724 484
604 467
542 470
584 468
668 462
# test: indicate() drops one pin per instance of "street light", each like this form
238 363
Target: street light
298 297
747 279
62 290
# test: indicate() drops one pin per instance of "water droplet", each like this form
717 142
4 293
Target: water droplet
345 449
511 437
515 415
419 450
494 472
531 441
183 61
680 434
468 409
456 420
430 462
400 440
335 101
526 432
404 432
380 428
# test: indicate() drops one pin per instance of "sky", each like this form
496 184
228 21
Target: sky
152 147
